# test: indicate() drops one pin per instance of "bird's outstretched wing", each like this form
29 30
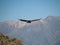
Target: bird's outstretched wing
23 20
35 20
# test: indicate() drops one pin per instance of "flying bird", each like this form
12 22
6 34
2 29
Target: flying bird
29 21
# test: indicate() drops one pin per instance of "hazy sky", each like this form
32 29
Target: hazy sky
28 9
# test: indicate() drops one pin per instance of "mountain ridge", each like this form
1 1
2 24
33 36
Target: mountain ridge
43 32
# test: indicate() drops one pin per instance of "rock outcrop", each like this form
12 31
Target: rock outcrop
5 40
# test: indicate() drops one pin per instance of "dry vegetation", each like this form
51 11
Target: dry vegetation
5 40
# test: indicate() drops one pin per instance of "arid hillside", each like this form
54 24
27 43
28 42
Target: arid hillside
5 40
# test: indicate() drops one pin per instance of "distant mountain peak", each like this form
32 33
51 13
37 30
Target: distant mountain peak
43 32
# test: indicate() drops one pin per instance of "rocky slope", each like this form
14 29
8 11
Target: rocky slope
5 40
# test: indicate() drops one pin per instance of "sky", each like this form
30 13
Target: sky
28 9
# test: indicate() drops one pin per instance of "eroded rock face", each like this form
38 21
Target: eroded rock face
5 40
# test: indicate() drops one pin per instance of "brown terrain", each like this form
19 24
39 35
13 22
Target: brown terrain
5 40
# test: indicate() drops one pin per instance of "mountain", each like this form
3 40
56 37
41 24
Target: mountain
43 32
